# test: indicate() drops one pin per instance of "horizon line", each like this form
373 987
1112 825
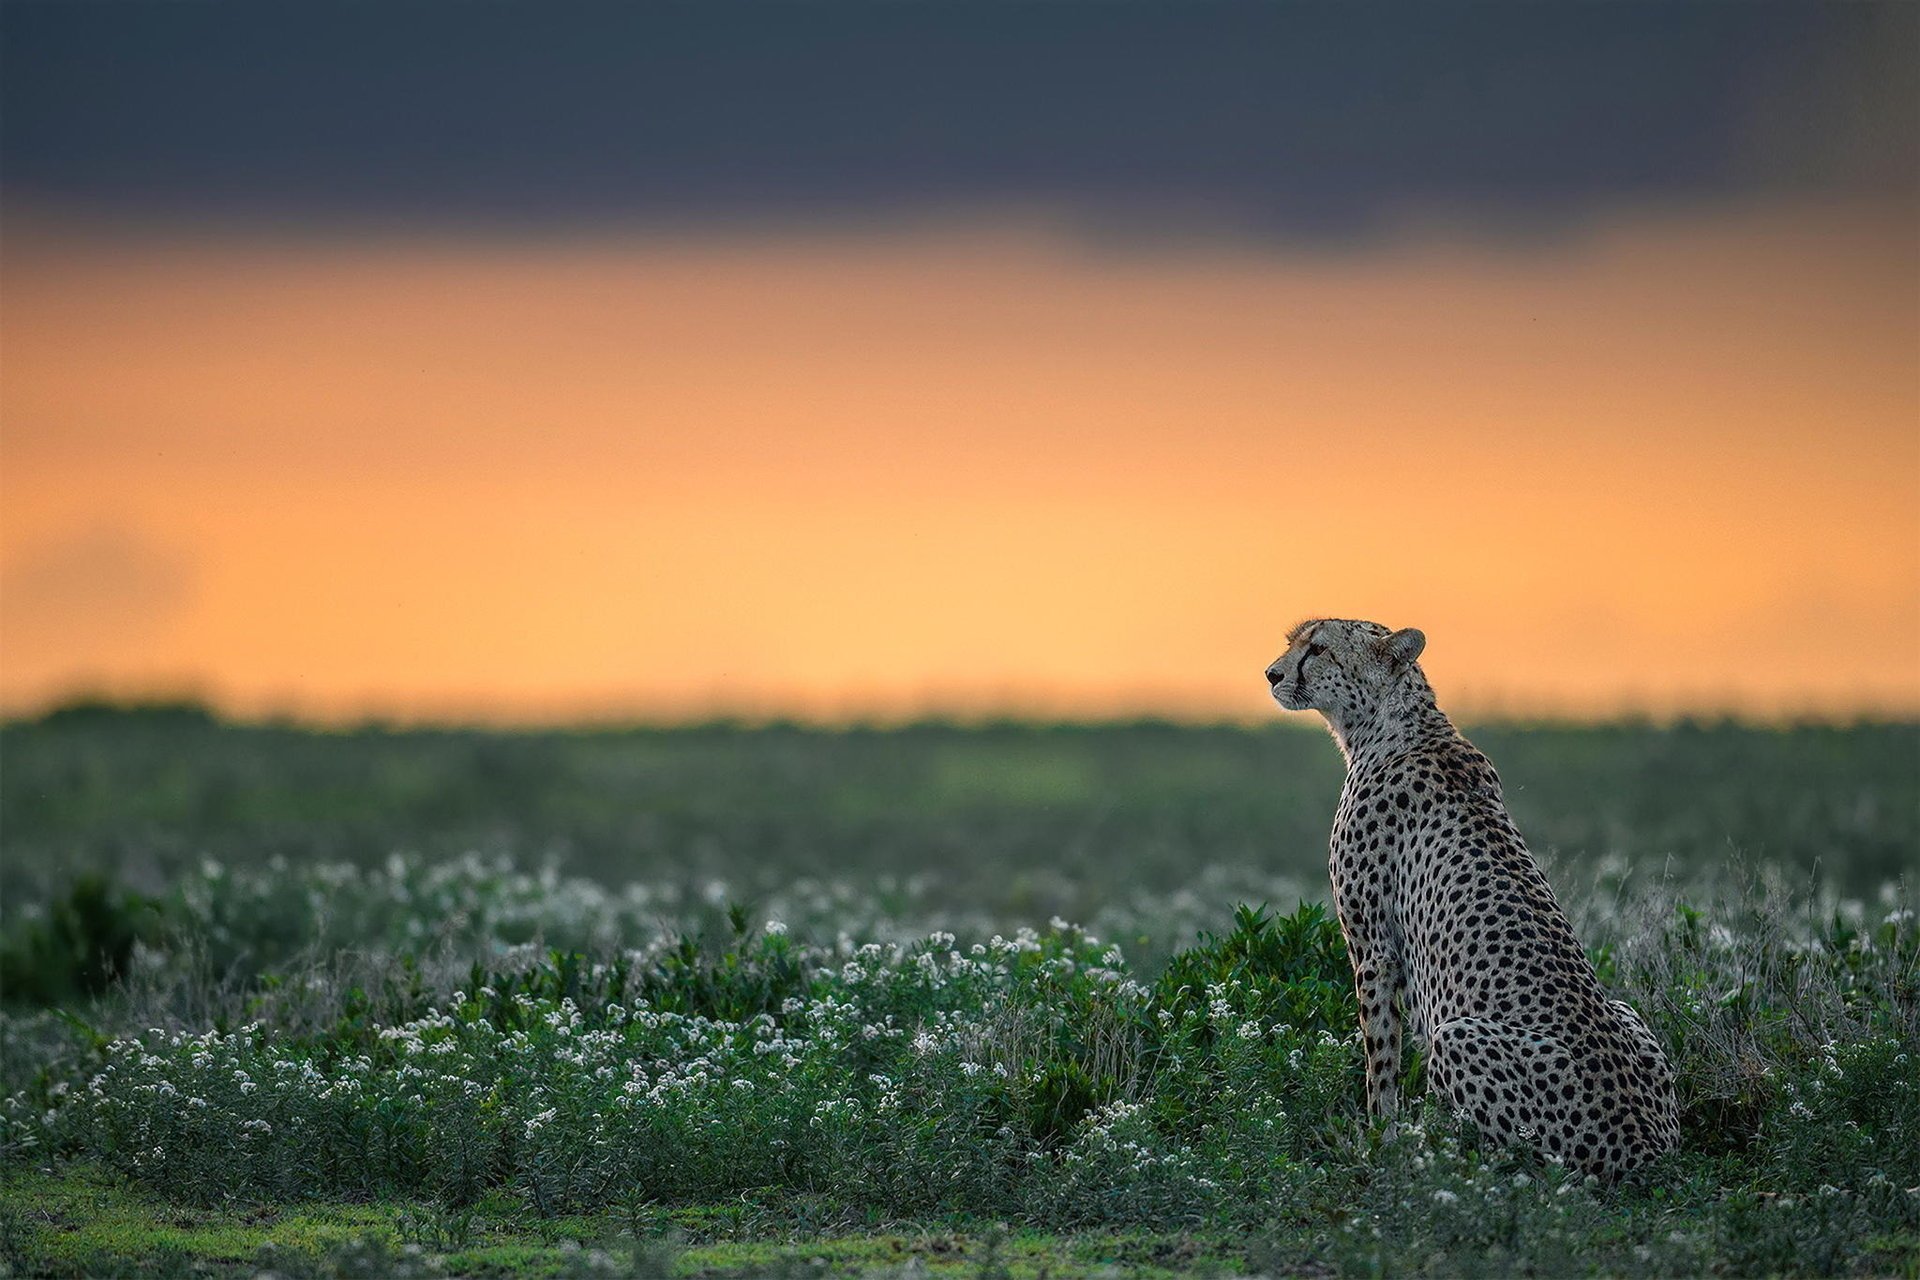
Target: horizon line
84 706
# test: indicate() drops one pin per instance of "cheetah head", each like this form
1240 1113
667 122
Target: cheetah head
1342 668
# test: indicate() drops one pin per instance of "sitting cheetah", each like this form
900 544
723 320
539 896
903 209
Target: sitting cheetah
1443 906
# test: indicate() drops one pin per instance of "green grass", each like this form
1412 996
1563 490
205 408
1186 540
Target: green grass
791 1002
1020 821
82 1222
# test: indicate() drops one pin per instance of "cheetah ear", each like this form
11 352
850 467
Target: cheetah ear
1402 647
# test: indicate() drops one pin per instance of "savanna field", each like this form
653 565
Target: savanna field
995 1001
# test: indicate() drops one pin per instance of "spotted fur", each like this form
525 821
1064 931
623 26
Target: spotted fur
1448 918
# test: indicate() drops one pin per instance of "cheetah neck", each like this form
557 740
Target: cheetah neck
1407 718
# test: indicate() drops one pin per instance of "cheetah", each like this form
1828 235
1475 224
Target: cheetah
1446 912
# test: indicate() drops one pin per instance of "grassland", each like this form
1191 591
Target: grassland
982 1001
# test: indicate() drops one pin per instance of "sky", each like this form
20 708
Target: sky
542 362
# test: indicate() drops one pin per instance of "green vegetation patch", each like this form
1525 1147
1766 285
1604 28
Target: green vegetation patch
378 1004
84 1222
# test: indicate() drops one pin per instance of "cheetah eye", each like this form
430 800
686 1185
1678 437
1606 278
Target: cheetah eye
1313 651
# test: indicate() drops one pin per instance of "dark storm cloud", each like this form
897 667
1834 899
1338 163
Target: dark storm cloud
1300 121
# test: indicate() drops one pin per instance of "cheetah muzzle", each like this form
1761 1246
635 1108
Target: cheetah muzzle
1449 922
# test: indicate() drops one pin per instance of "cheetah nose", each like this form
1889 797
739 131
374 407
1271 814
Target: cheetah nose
1273 675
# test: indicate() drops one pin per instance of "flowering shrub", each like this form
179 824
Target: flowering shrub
1012 1074
232 923
1033 1076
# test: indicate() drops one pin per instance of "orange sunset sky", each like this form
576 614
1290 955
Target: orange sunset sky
1673 464
1665 460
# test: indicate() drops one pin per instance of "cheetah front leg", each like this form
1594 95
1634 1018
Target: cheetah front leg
1377 982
